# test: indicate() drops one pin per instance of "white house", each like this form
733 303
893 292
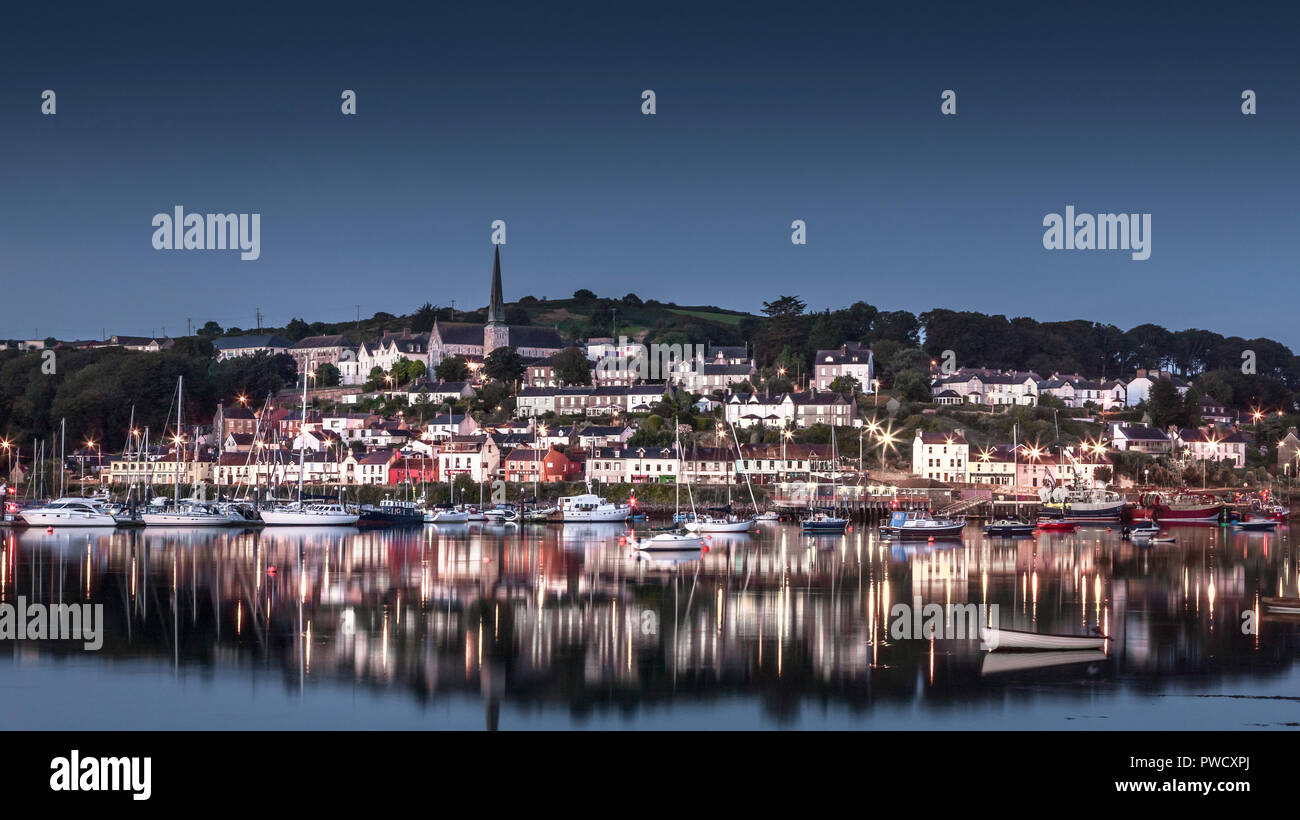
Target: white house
941 456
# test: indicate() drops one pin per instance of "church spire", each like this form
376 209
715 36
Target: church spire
496 307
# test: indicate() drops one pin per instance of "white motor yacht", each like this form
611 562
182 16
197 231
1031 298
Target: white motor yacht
69 512
589 507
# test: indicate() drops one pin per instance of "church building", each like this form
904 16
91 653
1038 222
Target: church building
474 342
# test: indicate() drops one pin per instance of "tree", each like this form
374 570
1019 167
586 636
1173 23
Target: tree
327 375
452 369
211 330
571 366
422 321
297 330
1165 404
847 385
912 386
504 365
583 295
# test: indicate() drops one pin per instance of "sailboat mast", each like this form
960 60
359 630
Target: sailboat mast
302 428
180 434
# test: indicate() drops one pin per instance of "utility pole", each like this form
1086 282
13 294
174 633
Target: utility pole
358 307
189 325
258 313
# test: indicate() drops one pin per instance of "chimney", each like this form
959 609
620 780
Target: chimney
406 333
1141 371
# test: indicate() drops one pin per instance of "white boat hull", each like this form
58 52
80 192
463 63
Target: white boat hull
597 516
997 639
184 520
720 526
289 518
446 517
67 519
671 541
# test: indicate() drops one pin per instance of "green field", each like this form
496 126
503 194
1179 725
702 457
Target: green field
720 318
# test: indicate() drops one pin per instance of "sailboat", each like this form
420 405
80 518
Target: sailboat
729 522
190 512
823 520
297 513
676 539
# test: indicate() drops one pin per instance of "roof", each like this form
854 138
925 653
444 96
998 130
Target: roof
1139 432
245 342
310 342
957 439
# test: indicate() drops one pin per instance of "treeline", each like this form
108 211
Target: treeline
95 390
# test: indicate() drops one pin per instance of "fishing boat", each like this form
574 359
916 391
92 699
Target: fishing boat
69 512
1256 525
1082 504
995 639
1183 508
921 524
1009 527
391 512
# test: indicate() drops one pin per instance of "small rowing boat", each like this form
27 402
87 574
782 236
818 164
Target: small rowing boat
995 639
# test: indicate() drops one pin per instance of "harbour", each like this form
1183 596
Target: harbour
534 626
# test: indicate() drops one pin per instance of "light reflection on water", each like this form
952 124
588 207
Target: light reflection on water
471 626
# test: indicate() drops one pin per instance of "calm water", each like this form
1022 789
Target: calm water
546 627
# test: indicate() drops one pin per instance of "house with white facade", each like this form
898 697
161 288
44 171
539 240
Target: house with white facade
941 457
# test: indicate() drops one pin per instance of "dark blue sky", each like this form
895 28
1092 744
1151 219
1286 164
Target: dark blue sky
766 113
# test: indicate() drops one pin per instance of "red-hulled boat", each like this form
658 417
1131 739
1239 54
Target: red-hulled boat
1056 524
1182 508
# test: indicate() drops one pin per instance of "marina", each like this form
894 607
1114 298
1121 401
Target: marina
476 625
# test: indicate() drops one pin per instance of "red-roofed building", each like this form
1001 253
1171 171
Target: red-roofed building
413 470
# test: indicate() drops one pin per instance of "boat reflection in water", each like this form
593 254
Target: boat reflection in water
466 625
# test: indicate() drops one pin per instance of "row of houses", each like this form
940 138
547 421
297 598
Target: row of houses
1015 387
949 458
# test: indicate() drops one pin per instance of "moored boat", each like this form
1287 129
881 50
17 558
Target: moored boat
1256 525
391 513
589 507
297 514
921 524
996 638
1183 508
1009 527
69 512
